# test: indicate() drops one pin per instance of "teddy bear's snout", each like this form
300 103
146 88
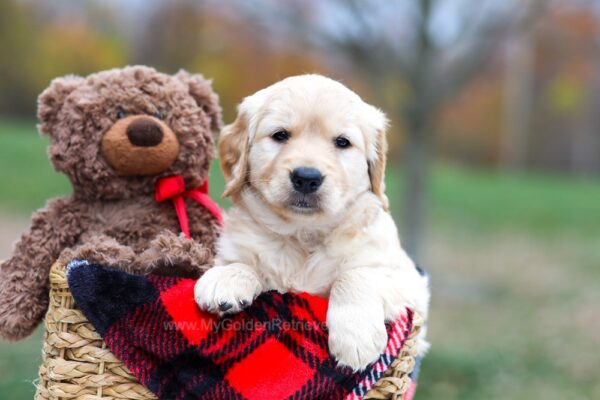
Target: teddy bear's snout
140 145
144 132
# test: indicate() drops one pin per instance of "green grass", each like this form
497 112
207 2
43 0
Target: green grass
514 261
488 200
27 179
541 204
19 364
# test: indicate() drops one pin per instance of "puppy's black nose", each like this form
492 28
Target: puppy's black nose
306 180
144 132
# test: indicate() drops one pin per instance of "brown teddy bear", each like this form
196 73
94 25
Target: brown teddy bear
134 142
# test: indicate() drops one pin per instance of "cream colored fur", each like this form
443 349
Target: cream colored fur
347 248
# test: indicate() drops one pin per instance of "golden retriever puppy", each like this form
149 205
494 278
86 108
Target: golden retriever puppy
304 163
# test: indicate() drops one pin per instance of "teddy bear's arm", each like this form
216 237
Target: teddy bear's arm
24 276
175 255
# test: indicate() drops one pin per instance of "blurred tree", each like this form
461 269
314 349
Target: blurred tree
435 46
469 128
565 120
74 49
519 96
585 149
17 58
39 42
205 40
175 47
546 78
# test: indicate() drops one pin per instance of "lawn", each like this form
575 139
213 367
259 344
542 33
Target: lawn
514 261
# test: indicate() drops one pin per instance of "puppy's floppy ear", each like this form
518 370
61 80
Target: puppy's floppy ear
201 90
233 154
376 153
52 99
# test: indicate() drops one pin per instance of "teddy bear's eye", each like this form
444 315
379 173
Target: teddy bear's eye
159 114
121 114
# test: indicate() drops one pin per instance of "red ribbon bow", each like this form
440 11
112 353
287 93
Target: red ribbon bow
173 188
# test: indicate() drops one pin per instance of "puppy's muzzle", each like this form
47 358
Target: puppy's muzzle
306 180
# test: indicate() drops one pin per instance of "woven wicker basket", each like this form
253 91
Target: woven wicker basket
76 363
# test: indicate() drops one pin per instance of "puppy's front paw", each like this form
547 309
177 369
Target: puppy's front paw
357 337
227 289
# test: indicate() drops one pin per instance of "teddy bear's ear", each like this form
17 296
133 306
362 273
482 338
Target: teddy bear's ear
201 90
52 99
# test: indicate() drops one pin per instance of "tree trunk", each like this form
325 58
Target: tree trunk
518 83
418 114
585 145
417 165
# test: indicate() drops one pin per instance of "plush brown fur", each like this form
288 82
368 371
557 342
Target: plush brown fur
111 217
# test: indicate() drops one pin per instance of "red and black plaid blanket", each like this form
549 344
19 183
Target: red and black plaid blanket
275 349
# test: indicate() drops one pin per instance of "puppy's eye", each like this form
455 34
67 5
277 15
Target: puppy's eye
121 114
159 114
342 143
281 136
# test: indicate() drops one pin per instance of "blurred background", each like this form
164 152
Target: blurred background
493 166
